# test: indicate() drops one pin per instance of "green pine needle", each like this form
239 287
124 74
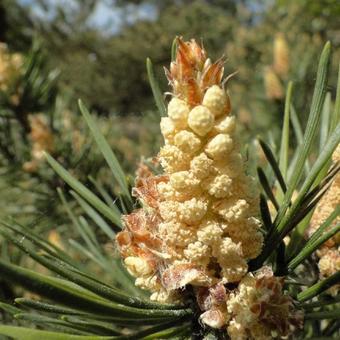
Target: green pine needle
157 93
319 287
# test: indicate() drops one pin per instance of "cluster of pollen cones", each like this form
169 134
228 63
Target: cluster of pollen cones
198 225
329 252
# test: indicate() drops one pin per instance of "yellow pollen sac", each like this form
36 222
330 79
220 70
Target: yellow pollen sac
329 263
231 210
219 146
201 120
232 166
210 232
225 125
176 233
229 254
168 128
137 266
169 210
168 192
178 111
198 252
183 180
201 165
218 186
192 211
187 141
173 159
217 101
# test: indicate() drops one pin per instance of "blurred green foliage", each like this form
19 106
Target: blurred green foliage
105 66
35 117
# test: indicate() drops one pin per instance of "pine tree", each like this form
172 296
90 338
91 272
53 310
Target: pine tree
101 301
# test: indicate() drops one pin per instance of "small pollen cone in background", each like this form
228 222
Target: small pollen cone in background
281 55
42 140
10 67
199 223
260 310
273 87
329 253
55 239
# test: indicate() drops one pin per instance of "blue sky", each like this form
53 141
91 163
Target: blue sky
107 16
104 16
